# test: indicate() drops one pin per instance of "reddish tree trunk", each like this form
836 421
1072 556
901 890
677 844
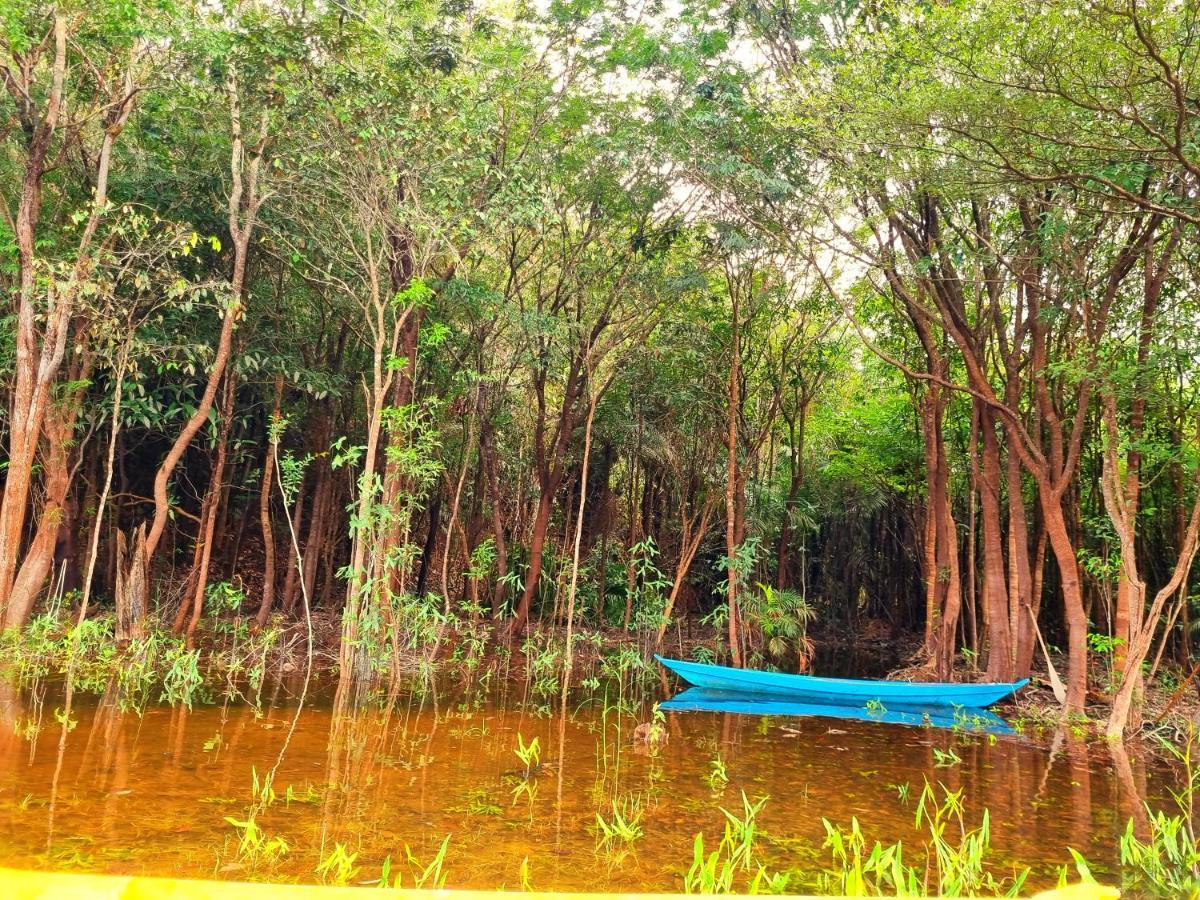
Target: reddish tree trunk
215 491
537 546
58 429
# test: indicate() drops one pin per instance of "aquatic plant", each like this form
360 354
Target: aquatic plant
526 880
529 754
183 679
156 665
1167 864
624 827
309 795
478 802
431 875
254 845
338 866
858 874
544 657
716 872
717 777
945 759
262 790
955 861
969 720
242 659
710 873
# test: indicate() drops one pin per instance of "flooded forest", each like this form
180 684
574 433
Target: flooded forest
403 403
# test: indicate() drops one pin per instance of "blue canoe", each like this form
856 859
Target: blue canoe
696 699
841 691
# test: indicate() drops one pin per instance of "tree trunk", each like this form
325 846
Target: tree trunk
132 586
943 584
796 429
39 358
58 428
537 546
574 583
1021 598
291 580
1000 660
693 531
732 483
455 507
971 626
487 449
215 491
1072 588
264 510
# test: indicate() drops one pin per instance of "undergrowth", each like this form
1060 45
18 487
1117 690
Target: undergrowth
157 667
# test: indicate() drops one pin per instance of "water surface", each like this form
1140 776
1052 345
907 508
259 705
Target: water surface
149 793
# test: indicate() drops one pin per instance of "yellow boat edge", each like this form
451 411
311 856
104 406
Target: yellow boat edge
26 885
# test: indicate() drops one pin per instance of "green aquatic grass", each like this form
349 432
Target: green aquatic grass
623 826
952 860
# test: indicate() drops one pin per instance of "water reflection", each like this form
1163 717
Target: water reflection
150 793
980 721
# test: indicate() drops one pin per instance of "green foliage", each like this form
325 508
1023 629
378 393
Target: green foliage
223 596
337 867
717 776
955 862
624 825
529 754
55 645
183 678
545 655
740 565
1165 865
718 871
1166 861
650 586
782 617
255 846
429 876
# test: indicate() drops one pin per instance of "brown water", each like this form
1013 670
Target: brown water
148 794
